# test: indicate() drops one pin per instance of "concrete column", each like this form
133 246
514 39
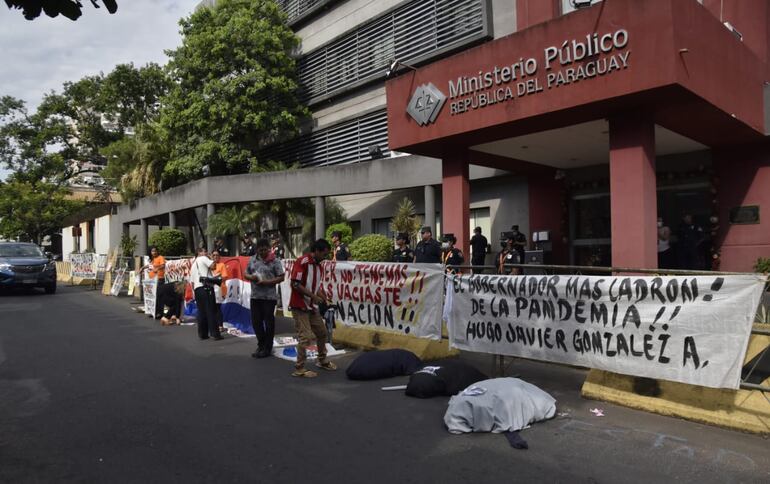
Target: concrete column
320 217
430 208
171 220
210 210
455 197
633 191
142 248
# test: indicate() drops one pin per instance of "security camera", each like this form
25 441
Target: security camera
392 68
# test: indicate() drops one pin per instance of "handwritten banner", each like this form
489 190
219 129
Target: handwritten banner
120 278
150 291
686 329
178 270
401 298
83 265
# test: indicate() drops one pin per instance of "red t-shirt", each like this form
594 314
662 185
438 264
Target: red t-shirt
307 272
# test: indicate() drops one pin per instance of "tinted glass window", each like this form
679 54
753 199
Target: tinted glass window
20 250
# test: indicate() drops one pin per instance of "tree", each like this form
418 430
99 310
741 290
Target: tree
131 96
68 8
405 220
135 163
233 221
170 242
235 89
31 210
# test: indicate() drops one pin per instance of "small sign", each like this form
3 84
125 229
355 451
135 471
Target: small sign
744 215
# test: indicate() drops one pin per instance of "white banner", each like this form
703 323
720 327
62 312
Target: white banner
83 265
117 285
687 329
149 289
178 270
401 298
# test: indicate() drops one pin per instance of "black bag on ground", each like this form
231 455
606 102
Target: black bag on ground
447 377
374 365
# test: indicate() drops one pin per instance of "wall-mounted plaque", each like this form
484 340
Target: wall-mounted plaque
745 215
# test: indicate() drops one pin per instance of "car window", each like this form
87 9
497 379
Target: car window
20 250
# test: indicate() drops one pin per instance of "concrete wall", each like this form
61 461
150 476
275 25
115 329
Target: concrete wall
503 17
103 241
346 108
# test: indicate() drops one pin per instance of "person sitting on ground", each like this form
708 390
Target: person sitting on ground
306 294
402 253
341 252
451 256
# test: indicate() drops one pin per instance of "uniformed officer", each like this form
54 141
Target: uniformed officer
519 242
276 247
451 256
402 253
340 252
427 250
509 255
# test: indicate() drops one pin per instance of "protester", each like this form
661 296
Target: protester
306 294
248 248
170 297
450 255
265 272
479 247
689 239
509 255
219 270
402 253
204 296
519 243
157 270
277 247
427 250
665 252
341 252
219 246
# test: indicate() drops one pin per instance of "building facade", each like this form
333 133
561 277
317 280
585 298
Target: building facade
582 126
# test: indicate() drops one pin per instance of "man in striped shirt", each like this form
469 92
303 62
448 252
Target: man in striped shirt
306 295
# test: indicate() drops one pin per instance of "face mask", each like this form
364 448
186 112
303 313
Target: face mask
445 245
660 224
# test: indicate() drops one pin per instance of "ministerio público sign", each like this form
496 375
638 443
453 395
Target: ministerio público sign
573 61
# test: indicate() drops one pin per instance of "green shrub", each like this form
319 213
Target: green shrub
128 245
372 248
170 242
762 265
344 229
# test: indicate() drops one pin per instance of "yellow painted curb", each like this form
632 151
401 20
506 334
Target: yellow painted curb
746 410
369 339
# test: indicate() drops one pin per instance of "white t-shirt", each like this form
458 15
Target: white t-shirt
201 267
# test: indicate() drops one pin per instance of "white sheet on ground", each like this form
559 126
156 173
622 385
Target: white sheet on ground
498 405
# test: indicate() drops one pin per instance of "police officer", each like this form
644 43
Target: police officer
427 250
276 246
451 256
509 255
519 242
340 252
402 253
480 247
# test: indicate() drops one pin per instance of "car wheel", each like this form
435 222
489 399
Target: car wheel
51 289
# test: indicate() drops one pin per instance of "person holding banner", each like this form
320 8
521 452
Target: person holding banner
265 272
157 270
204 287
306 295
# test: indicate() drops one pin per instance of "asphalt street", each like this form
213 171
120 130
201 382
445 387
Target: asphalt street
92 392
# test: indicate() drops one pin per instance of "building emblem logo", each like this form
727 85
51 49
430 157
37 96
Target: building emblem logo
425 104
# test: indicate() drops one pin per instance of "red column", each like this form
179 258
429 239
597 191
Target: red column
455 200
633 191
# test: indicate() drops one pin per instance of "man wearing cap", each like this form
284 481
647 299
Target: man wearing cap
402 253
428 250
519 242
340 252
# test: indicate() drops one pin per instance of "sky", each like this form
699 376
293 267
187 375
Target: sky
40 55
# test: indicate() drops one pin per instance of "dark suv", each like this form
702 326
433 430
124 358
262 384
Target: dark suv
25 265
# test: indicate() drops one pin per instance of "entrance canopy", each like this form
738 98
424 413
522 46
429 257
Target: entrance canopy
672 60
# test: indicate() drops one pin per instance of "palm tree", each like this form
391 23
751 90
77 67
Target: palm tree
406 219
234 220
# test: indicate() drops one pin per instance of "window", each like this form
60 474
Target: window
412 33
480 218
567 6
381 226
